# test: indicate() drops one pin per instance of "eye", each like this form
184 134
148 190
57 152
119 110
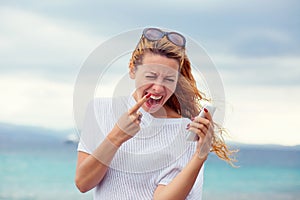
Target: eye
169 80
150 77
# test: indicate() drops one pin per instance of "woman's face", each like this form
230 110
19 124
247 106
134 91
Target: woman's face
157 75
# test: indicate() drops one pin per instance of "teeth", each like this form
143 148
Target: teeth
155 97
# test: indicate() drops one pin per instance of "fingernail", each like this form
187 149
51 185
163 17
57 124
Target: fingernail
187 126
148 95
192 118
205 110
140 117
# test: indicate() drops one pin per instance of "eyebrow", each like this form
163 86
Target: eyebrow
170 76
154 73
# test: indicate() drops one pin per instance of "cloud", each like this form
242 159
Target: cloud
254 44
264 114
222 26
281 70
34 43
30 100
51 38
265 42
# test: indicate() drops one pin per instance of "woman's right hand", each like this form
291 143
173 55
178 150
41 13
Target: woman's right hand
129 123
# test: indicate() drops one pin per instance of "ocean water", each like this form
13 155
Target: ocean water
38 174
47 172
263 173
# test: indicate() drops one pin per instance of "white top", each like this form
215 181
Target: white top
155 155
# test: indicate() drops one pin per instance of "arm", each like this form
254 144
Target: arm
86 178
91 168
181 185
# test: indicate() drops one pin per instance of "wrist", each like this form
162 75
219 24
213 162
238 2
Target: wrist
196 162
198 156
117 136
105 152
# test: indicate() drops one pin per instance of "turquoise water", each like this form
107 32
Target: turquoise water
44 173
39 175
262 174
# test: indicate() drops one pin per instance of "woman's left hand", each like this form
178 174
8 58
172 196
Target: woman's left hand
203 127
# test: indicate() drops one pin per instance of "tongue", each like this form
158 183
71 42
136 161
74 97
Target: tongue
153 102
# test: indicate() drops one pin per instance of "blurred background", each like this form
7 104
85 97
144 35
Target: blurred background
253 44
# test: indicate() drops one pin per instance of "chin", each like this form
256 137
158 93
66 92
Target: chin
152 109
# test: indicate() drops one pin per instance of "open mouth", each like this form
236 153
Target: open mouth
153 100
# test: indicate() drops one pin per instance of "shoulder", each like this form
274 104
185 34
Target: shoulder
99 101
107 107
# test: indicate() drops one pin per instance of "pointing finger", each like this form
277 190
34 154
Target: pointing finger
139 104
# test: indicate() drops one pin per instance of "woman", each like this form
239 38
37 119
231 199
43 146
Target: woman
134 147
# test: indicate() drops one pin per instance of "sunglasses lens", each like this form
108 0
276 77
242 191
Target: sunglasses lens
177 39
153 34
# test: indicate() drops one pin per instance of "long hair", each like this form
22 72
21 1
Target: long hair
186 98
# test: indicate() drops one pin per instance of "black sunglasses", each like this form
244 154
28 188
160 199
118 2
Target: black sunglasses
154 34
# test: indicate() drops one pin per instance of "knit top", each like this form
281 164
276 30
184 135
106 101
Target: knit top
155 155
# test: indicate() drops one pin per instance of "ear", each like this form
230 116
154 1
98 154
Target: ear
131 69
132 73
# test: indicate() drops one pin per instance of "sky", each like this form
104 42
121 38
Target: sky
255 46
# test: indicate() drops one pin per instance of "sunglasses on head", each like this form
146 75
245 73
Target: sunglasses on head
155 34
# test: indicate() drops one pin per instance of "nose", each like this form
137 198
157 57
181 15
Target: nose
157 87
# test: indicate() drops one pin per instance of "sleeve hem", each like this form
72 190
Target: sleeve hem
82 149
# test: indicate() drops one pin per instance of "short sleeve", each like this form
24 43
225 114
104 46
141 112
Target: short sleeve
100 117
90 135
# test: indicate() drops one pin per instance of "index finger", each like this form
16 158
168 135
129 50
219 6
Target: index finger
207 115
139 104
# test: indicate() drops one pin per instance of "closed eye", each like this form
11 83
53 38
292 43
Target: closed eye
170 80
151 77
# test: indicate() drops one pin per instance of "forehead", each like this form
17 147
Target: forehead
155 61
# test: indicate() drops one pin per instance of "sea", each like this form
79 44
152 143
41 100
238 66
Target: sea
41 166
